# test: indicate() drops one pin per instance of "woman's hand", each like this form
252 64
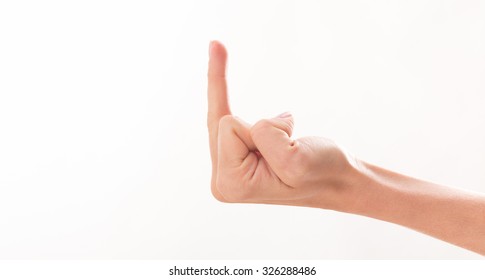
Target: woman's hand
261 163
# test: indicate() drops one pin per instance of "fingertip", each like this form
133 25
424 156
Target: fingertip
217 49
217 59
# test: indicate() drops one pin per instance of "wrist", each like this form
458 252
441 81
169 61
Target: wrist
348 188
354 188
360 185
362 188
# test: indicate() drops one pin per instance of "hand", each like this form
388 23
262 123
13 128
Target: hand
261 163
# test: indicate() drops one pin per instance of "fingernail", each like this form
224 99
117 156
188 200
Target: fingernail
284 115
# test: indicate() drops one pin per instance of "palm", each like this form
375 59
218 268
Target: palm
241 167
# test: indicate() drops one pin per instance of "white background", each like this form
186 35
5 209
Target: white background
103 143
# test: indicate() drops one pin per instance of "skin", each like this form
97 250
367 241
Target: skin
261 163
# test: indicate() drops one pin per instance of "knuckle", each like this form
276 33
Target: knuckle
260 127
287 126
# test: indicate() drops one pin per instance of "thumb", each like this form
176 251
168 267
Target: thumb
272 138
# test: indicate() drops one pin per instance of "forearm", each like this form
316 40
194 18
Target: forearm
453 215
